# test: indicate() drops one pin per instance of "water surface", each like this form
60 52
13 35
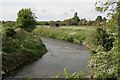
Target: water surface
60 54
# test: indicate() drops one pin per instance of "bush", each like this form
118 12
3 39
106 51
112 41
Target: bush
26 20
22 48
69 76
104 39
105 64
10 24
9 32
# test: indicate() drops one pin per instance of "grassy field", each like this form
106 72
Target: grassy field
80 35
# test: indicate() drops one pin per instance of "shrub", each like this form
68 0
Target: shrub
26 20
104 39
105 64
10 24
69 76
20 49
9 32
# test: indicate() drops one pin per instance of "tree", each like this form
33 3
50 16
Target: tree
104 19
99 19
26 19
54 24
83 22
108 5
75 20
106 64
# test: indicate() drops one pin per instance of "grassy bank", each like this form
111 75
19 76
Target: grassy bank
104 58
72 34
20 49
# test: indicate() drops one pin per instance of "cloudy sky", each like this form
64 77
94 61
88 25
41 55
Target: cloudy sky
49 9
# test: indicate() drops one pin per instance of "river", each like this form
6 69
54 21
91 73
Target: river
60 54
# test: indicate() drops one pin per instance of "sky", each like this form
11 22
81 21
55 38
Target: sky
46 10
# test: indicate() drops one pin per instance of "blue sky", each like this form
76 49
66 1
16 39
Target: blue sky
49 9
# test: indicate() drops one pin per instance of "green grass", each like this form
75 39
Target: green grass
20 49
68 34
79 35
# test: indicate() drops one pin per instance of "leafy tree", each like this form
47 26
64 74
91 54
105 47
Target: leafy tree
67 22
75 20
104 39
109 6
54 24
26 19
72 21
103 6
99 19
105 64
104 19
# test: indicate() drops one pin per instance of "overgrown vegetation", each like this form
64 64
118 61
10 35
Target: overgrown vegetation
19 46
69 76
75 21
67 34
104 61
26 20
8 24
19 49
106 64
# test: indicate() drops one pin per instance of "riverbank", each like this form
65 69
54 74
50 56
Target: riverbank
20 49
77 35
102 63
60 55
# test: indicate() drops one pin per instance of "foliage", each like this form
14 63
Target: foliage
54 24
104 19
42 23
8 24
104 39
104 6
69 76
112 23
105 64
74 75
26 20
72 35
99 19
9 32
21 48
72 21
75 20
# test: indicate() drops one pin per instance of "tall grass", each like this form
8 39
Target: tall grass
67 34
20 49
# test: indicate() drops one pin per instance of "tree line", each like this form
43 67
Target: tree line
75 21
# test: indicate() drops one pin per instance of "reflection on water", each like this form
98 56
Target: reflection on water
60 54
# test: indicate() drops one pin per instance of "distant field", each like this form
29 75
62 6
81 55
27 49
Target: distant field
74 27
